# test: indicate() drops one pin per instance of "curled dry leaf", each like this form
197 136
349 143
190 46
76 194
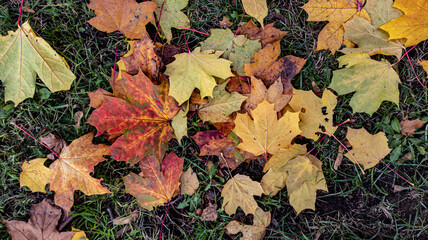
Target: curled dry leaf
188 182
109 16
126 219
408 127
53 142
42 224
77 116
339 157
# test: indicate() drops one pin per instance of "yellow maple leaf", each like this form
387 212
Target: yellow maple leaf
196 70
312 117
413 25
251 232
367 149
256 8
35 175
239 192
336 12
265 133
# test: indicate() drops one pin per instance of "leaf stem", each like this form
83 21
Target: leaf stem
115 60
239 25
396 173
96 223
56 155
193 30
160 15
185 39
163 220
20 11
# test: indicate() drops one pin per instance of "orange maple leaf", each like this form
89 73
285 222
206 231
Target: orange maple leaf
127 16
155 186
141 112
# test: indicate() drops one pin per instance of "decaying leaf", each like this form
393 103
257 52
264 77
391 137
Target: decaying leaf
239 192
336 12
42 224
141 112
196 70
265 133
213 142
367 149
53 142
367 36
172 16
77 117
126 16
209 213
408 127
23 55
316 114
372 81
266 34
266 66
221 105
35 175
156 184
71 171
141 56
251 232
188 182
413 25
225 23
256 8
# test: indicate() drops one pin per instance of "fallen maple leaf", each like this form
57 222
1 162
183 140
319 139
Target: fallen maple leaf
408 127
71 171
142 114
367 36
256 8
171 16
273 95
42 224
316 114
413 25
265 66
336 12
367 149
265 133
424 64
126 16
196 70
251 232
156 184
221 105
141 56
35 175
266 34
23 55
372 81
188 182
238 192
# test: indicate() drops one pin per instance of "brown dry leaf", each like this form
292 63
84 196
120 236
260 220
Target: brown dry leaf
141 56
77 117
188 182
210 213
239 85
339 157
53 142
42 224
125 220
268 34
110 16
225 23
251 232
97 97
239 192
224 127
367 149
336 12
408 127
71 171
266 66
27 9
265 133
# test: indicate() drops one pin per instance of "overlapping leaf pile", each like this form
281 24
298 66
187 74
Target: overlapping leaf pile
236 82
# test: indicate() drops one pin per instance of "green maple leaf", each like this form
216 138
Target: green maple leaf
23 55
372 81
171 15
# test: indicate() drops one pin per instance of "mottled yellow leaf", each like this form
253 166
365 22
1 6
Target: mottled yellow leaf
256 8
